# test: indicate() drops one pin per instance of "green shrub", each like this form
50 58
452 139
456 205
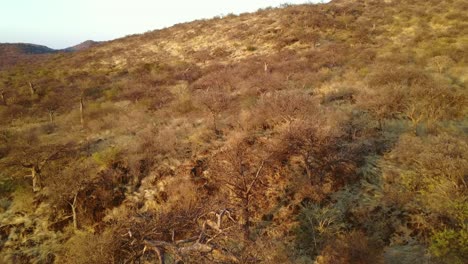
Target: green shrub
251 48
450 246
107 156
316 226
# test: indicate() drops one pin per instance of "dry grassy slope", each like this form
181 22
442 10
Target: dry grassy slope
232 35
238 38
229 34
143 116
10 54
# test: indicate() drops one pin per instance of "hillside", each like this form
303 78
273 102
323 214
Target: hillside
12 54
23 48
328 133
83 46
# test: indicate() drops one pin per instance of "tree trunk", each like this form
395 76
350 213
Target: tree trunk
305 157
32 89
51 116
160 253
308 171
73 207
36 178
246 219
2 97
81 111
215 122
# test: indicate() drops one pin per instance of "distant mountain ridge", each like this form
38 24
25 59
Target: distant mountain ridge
13 53
24 48
83 46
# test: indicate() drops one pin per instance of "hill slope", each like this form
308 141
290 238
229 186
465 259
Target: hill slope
11 54
331 133
23 48
83 46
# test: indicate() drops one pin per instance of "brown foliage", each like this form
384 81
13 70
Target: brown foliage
322 145
240 172
353 247
274 109
216 101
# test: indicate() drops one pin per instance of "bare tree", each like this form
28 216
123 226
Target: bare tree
66 184
35 160
28 152
441 63
216 102
35 165
51 104
240 171
320 144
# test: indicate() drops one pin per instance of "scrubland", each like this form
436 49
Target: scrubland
328 133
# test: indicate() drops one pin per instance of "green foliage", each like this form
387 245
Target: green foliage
450 246
106 157
251 48
316 226
6 186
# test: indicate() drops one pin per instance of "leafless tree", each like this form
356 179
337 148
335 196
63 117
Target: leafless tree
241 172
28 152
216 101
66 184
320 144
51 103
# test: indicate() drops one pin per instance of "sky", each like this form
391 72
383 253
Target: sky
60 24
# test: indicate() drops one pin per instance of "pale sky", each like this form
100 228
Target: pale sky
63 23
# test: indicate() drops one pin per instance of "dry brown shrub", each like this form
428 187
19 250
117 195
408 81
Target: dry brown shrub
132 229
389 74
215 77
420 104
440 63
275 108
216 101
189 72
431 160
84 248
240 171
353 247
323 148
341 95
426 178
201 56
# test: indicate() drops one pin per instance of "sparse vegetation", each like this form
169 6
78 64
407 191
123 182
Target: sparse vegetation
327 133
